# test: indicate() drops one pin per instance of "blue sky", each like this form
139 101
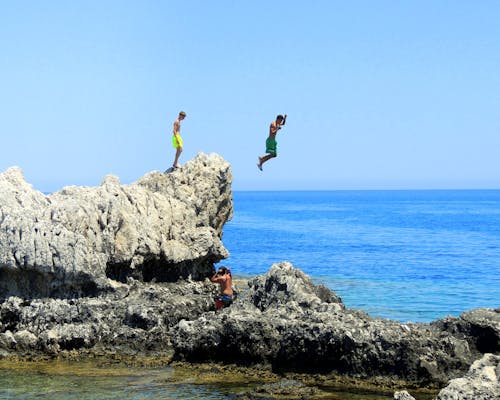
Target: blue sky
379 94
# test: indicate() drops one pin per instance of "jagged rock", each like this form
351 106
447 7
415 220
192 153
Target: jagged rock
403 395
72 243
286 321
135 318
482 382
113 267
480 326
285 284
25 340
7 341
48 342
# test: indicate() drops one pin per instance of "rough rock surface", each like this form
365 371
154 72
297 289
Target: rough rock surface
403 395
286 321
77 241
482 382
134 319
475 326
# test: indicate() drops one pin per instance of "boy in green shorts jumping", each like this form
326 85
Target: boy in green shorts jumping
271 144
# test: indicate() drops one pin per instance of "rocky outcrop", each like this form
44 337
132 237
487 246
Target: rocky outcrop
403 395
475 326
134 319
289 323
78 241
481 382
283 321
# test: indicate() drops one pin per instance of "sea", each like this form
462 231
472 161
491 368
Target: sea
412 255
407 255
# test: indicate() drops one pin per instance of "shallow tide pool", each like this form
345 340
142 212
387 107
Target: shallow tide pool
57 380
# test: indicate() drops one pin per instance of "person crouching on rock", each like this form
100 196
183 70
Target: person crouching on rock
225 280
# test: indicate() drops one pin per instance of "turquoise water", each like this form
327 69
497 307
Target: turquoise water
55 380
82 381
405 255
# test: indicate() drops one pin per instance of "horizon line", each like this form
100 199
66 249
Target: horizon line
369 190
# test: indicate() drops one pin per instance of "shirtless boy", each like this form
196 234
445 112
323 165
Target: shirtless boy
225 280
271 144
177 139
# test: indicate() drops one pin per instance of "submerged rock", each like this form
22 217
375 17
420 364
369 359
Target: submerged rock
284 389
73 243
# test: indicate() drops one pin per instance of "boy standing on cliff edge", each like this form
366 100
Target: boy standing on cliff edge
271 144
177 139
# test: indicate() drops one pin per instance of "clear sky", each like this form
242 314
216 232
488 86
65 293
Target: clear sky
379 94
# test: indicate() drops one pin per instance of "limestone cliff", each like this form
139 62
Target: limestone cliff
77 241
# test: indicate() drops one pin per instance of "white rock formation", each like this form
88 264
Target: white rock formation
75 241
482 382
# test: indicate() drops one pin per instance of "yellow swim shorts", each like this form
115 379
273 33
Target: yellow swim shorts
177 141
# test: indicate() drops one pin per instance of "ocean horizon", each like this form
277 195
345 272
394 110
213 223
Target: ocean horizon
408 255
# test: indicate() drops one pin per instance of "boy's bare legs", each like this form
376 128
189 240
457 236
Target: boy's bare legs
262 160
177 155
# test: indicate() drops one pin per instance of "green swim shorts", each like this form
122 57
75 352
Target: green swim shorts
271 146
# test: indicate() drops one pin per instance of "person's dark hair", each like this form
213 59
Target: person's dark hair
280 117
224 271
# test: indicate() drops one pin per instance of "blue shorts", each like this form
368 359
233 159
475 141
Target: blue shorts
227 299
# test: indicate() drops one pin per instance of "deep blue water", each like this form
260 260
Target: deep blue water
404 255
